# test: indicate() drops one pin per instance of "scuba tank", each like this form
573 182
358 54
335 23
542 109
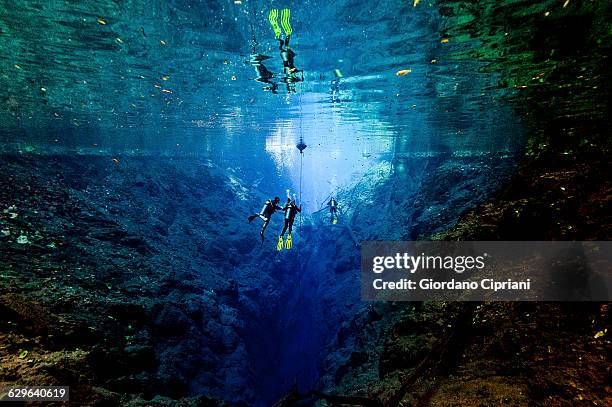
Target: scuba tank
265 207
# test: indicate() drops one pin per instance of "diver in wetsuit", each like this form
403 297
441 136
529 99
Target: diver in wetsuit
333 210
266 213
264 75
288 56
291 209
286 53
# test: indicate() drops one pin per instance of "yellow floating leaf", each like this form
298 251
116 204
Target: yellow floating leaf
403 72
433 61
101 21
547 14
566 3
599 334
23 354
416 3
444 41
165 77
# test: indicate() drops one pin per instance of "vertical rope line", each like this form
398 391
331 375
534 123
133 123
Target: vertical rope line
301 167
301 160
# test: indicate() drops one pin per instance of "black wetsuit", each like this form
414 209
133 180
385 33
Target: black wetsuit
333 208
291 209
265 214
288 57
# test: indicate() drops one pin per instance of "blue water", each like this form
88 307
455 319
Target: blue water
175 80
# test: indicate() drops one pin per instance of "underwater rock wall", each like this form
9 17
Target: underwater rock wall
127 268
146 275
161 286
406 201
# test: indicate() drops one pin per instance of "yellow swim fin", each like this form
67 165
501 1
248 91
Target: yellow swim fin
279 245
289 242
285 23
273 18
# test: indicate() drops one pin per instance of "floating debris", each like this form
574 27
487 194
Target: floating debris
17 66
547 14
119 40
115 160
165 77
23 239
403 72
444 41
43 89
233 77
566 3
23 354
162 42
166 91
416 3
433 61
338 73
101 21
225 62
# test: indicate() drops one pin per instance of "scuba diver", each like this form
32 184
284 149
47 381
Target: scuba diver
286 53
333 210
264 75
291 209
266 213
